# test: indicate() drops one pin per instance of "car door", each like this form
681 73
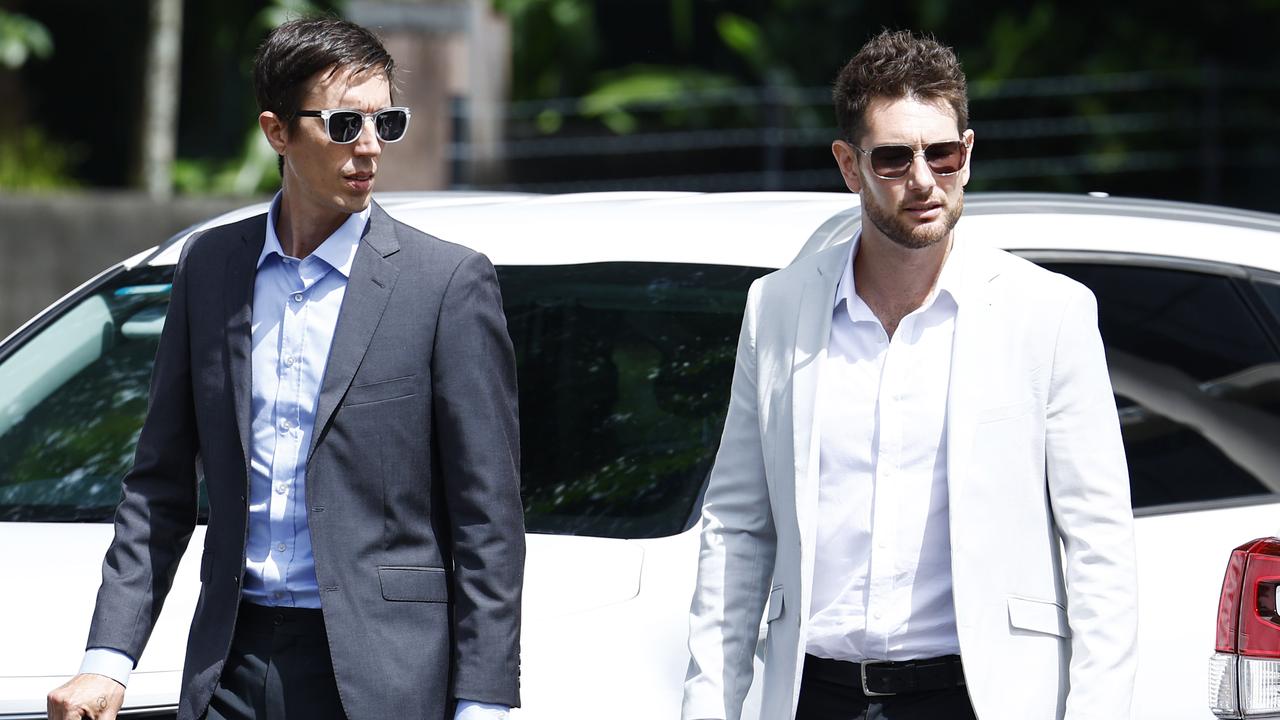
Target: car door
1195 365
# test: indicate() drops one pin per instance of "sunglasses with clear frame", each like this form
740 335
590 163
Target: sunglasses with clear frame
344 125
890 162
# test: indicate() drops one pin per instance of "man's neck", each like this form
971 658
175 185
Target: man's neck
893 280
301 231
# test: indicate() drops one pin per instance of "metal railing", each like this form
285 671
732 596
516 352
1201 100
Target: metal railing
1131 130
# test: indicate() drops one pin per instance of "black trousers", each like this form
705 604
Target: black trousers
278 668
824 700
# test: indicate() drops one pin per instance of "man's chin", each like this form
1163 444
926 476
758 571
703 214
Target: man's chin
355 202
921 236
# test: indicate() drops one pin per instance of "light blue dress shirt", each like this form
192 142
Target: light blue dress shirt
295 312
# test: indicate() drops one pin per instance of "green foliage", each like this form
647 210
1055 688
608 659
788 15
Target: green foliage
618 94
20 38
555 45
278 12
29 160
744 37
252 173
253 169
1012 38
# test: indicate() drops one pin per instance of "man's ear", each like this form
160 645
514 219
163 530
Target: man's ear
847 159
967 137
276 131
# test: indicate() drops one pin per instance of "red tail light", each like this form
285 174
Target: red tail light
1244 674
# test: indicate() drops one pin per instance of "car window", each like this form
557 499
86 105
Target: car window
623 370
72 400
1197 382
1269 290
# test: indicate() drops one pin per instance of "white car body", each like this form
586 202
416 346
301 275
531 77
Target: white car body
605 618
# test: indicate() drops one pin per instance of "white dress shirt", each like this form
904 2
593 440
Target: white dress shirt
882 574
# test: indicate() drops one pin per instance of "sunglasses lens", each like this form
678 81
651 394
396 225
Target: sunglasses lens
391 124
891 161
345 126
945 158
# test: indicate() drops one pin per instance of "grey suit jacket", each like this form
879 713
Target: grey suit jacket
412 490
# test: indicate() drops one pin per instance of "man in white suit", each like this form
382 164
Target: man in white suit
921 469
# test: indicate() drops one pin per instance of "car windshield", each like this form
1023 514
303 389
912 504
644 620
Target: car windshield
624 372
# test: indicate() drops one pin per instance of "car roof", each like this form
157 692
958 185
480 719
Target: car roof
770 229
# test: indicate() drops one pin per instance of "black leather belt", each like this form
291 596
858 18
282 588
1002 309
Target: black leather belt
881 677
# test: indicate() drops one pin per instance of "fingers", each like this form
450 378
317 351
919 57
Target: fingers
85 696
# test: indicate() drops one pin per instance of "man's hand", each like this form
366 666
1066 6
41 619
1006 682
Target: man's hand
86 696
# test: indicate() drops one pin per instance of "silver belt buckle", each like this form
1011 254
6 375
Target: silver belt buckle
862 667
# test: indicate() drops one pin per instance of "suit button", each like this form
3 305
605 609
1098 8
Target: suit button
235 580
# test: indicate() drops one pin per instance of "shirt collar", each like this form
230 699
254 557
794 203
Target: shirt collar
338 250
949 281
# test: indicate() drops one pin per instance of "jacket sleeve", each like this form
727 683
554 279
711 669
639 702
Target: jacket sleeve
477 431
1089 492
736 558
157 511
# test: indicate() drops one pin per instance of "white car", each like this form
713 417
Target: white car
624 309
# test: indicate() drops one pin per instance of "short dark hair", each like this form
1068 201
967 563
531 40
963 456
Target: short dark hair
294 52
894 65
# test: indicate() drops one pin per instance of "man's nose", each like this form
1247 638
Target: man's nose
367 143
919 175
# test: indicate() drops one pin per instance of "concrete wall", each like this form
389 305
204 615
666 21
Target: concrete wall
49 244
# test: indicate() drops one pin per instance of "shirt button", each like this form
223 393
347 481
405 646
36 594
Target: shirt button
297 297
282 489
290 360
282 547
284 424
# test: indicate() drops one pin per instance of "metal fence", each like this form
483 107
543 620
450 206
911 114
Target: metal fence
1196 136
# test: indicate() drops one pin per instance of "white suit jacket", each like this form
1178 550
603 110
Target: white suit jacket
1041 525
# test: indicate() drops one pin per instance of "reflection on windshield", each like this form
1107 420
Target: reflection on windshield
1166 396
624 372
72 402
1197 383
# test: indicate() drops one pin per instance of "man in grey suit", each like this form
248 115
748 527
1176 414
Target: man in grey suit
346 387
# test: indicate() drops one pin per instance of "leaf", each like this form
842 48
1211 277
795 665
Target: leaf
645 86
549 121
20 38
741 35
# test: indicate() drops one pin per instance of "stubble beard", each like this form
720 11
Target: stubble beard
911 236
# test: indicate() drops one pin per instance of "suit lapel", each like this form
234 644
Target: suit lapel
813 334
372 279
973 318
238 288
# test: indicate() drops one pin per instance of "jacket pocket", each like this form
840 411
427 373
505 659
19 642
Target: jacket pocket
414 584
1042 616
381 390
775 604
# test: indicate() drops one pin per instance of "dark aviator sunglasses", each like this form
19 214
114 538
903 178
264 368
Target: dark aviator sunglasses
890 162
345 125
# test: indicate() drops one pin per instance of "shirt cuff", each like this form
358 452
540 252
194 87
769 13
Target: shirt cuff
468 710
109 662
